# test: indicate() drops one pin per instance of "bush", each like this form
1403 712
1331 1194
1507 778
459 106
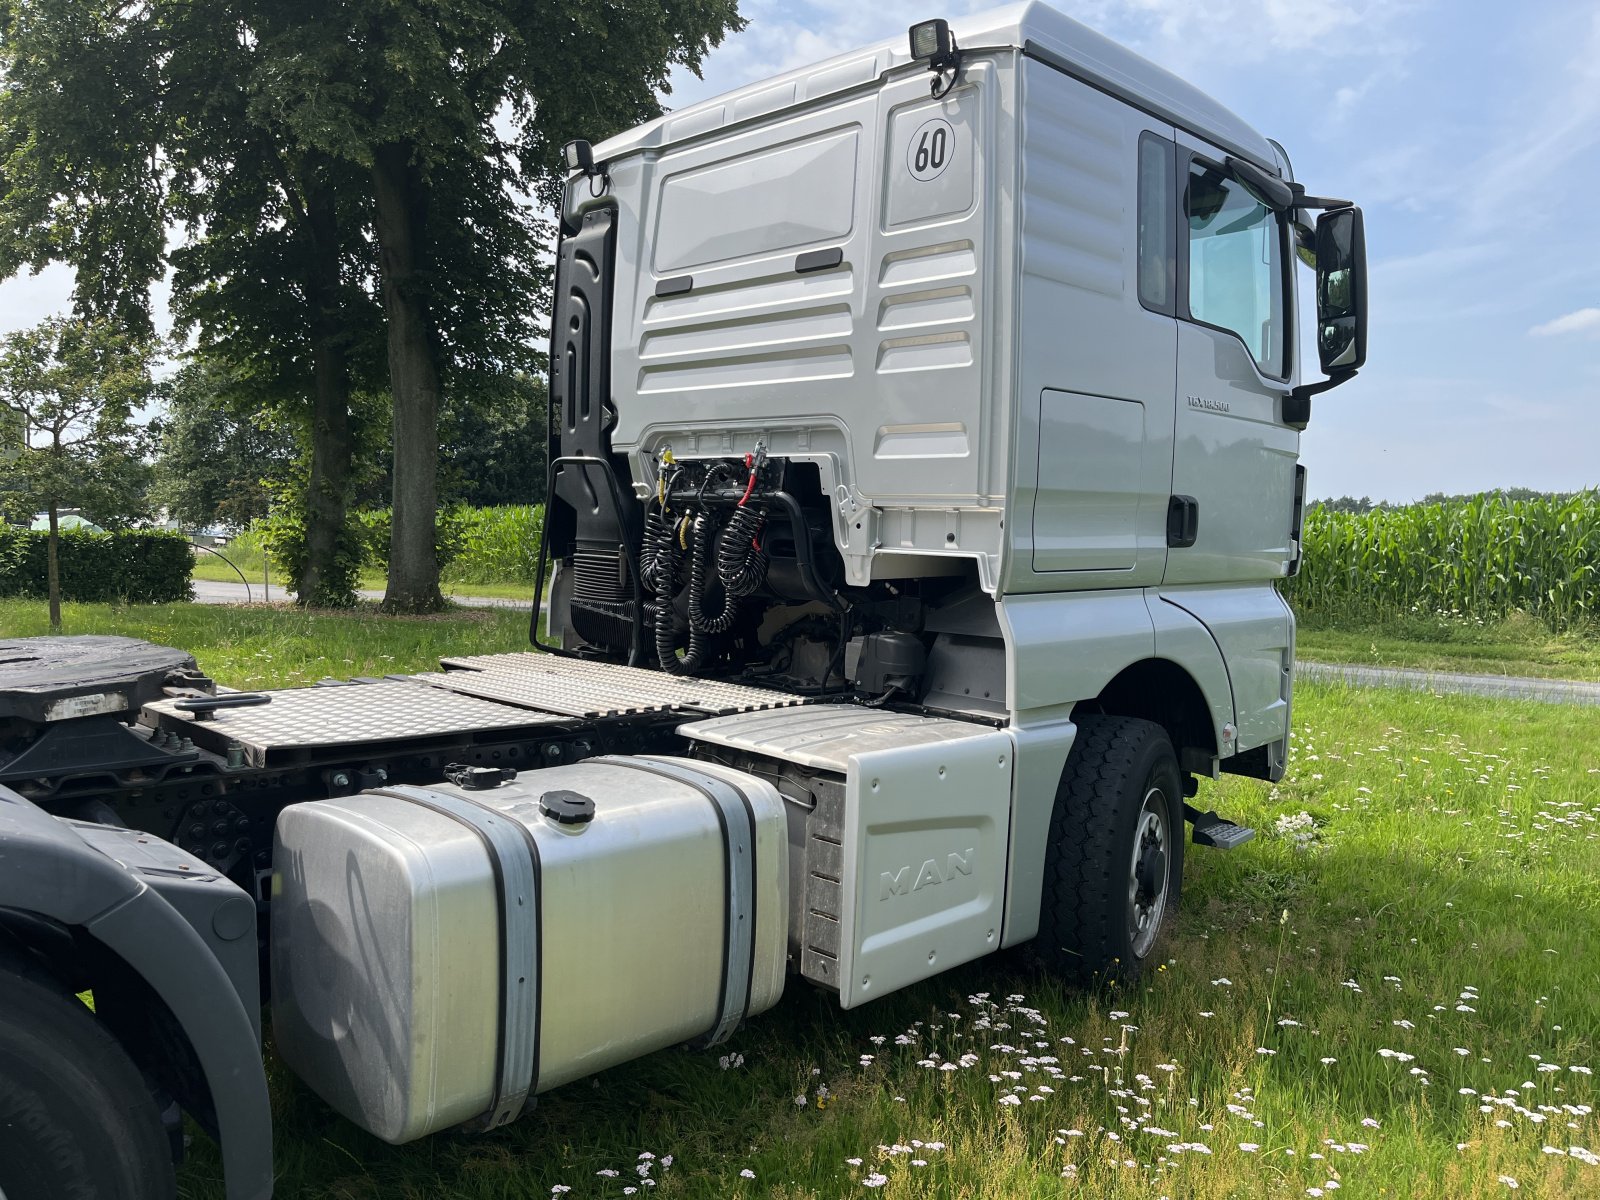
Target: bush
139 567
284 536
476 545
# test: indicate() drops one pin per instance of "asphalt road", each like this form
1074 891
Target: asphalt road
1513 687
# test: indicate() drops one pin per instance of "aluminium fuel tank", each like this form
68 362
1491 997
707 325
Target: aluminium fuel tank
442 953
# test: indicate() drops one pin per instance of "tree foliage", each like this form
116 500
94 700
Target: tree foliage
493 444
223 454
333 166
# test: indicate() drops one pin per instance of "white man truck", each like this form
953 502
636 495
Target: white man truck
924 437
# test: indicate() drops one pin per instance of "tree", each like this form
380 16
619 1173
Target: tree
411 91
494 443
286 134
274 278
74 387
222 454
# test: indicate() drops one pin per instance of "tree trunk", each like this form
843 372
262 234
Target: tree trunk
401 209
323 582
52 569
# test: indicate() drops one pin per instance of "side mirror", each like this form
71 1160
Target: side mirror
1341 246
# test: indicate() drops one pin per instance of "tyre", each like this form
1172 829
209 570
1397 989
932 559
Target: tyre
1114 861
76 1119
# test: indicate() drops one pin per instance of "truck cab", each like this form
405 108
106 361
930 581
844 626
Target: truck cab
994 330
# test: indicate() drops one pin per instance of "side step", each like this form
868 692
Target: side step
1212 830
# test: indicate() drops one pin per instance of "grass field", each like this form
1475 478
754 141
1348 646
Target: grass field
1511 647
1393 991
1397 995
209 567
262 647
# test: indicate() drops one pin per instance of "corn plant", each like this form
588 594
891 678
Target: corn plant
1479 559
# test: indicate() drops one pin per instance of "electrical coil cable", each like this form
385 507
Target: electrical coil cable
655 551
666 634
701 567
730 555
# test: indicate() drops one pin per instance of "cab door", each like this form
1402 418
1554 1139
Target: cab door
1233 456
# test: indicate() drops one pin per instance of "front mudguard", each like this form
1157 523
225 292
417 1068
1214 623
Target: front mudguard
186 932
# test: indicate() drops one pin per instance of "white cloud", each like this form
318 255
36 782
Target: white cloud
1584 320
1540 140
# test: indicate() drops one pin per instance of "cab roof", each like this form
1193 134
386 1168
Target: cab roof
1033 27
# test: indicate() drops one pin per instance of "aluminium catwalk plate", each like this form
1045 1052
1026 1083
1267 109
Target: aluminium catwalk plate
389 713
577 687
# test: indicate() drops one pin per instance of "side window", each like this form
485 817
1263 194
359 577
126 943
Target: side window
1157 229
1236 265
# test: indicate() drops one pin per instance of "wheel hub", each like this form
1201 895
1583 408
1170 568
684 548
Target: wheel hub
1147 872
1151 872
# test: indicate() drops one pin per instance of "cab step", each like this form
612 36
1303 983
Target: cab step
1212 830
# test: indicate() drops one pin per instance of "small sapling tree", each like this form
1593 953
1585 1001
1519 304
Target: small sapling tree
71 389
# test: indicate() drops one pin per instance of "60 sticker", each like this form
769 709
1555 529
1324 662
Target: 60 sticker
932 147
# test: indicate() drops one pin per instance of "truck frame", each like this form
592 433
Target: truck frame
923 463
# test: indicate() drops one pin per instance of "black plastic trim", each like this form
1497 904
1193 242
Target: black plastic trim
676 286
635 651
819 260
1183 522
56 875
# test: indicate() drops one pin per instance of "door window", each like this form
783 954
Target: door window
1236 277
1157 196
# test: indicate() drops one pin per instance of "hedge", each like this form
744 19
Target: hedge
140 567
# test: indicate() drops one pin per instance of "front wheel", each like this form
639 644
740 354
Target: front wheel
76 1120
1114 861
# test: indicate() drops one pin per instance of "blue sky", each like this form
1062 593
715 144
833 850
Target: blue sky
1470 134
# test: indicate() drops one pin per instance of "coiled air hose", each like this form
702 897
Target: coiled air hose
741 560
732 556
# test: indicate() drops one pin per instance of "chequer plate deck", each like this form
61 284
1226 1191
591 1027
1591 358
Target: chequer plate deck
583 688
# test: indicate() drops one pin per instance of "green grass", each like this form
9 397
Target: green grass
1444 899
368 581
1516 646
265 647
1442 896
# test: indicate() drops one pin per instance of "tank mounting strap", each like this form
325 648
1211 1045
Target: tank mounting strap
738 822
514 858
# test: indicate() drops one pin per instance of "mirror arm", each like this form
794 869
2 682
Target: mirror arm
1297 404
1268 189
1303 201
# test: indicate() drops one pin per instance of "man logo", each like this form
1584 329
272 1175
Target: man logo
903 882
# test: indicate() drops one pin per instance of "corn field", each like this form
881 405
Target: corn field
1480 559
